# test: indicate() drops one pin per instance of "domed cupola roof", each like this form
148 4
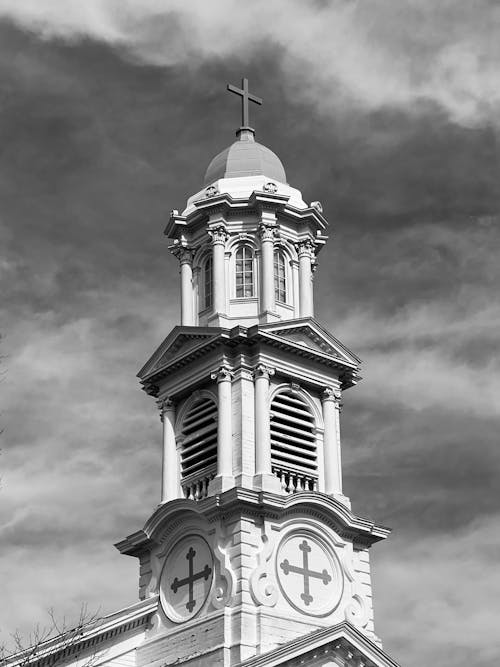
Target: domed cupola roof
245 157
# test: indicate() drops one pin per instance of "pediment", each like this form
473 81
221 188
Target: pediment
310 335
340 644
181 341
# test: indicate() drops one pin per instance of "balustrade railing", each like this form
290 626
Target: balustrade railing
294 481
195 487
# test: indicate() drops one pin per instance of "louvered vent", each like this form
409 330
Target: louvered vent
199 448
293 443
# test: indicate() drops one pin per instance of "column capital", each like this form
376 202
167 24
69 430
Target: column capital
218 234
268 232
184 253
165 405
261 370
222 374
331 394
306 248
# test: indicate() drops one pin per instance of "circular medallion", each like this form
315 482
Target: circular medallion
186 578
309 574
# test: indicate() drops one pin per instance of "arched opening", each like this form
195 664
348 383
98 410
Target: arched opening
244 272
199 448
280 286
293 442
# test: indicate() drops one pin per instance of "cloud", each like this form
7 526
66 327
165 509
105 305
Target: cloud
441 619
77 439
343 53
110 114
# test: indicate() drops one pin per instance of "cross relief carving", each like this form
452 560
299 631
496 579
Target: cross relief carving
190 579
306 573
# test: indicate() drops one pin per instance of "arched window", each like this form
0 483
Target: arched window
244 272
207 282
293 442
279 276
199 448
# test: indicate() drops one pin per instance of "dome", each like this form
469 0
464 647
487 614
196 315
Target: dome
245 158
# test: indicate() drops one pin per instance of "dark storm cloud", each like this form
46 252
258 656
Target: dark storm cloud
106 126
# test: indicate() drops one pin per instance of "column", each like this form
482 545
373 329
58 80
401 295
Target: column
264 479
262 374
224 430
219 236
186 261
185 256
331 441
305 251
267 297
170 463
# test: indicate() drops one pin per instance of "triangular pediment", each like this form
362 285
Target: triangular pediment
341 644
309 334
178 343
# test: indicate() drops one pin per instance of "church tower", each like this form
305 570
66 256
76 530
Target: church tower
254 555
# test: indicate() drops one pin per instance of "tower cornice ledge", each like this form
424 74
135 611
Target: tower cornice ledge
187 344
224 203
247 502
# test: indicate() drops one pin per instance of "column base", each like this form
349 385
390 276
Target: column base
220 483
267 482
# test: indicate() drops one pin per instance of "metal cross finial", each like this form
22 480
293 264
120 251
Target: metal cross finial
245 98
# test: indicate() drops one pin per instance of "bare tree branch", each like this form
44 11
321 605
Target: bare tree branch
53 643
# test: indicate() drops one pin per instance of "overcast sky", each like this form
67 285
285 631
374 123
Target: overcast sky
388 112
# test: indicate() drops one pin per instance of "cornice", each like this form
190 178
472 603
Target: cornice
239 501
212 338
303 214
259 200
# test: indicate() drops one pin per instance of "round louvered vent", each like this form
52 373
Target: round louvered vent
199 448
293 443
